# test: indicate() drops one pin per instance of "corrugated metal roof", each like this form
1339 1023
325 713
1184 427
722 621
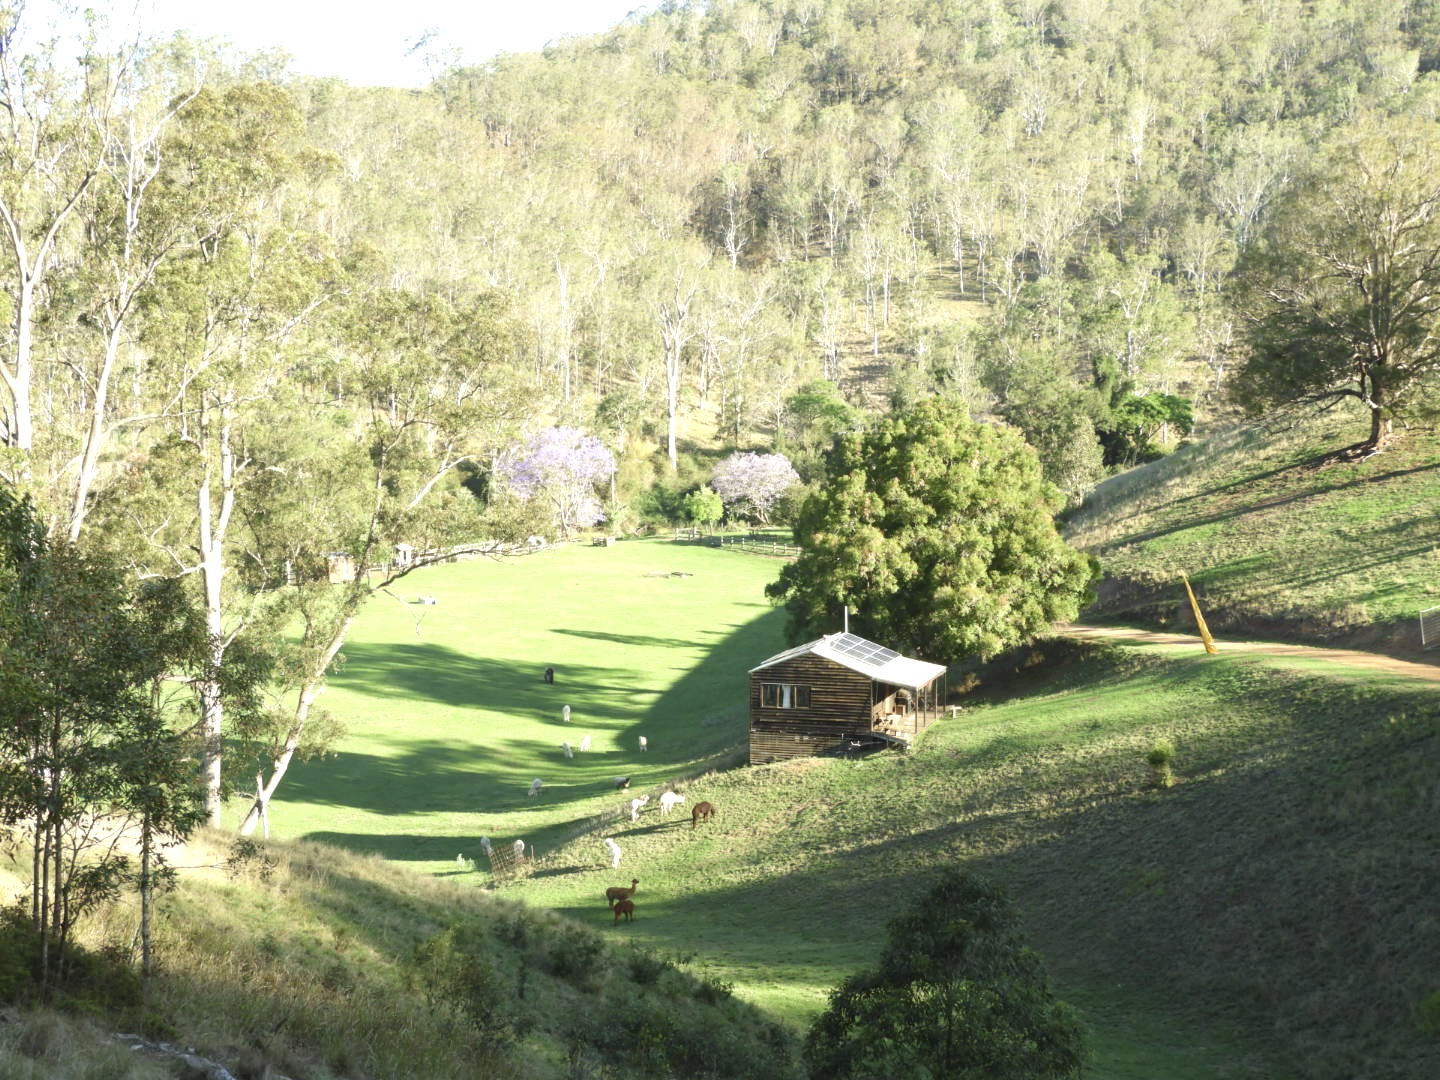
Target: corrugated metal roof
857 654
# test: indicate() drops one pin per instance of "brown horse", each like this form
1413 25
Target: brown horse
620 892
701 812
626 908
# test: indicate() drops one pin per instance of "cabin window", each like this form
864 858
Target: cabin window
784 696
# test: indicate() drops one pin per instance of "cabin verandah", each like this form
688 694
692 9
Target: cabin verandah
839 692
903 712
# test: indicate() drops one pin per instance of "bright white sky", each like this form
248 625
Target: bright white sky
365 42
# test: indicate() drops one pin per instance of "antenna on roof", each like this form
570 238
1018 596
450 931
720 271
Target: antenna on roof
847 618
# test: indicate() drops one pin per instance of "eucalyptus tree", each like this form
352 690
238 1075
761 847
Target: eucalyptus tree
226 317
1132 316
56 117
144 207
674 313
434 391
1339 296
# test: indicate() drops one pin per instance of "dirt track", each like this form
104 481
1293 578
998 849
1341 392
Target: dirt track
1349 657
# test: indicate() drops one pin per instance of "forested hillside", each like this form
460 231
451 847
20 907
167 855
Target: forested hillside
671 229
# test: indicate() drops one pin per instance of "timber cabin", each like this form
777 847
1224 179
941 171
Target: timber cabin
837 692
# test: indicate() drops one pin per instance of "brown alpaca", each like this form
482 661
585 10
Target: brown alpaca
701 812
626 908
620 892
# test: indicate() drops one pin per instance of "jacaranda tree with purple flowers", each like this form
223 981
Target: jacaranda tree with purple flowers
560 467
751 484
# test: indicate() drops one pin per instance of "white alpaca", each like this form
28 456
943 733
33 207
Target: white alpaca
644 744
519 849
565 713
568 753
614 853
535 786
669 800
635 805
585 744
485 843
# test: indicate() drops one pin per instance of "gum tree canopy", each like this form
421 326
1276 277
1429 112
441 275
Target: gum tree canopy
939 534
1342 294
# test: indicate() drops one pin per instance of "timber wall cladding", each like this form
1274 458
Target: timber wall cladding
839 709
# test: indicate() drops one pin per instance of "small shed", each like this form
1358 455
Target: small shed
838 690
340 567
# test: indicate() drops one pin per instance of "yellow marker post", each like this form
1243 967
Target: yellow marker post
1199 619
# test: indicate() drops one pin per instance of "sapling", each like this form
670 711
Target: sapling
1162 760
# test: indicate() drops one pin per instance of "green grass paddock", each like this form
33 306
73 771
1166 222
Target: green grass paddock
447 726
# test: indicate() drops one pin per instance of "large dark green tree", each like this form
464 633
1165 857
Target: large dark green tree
938 533
1342 295
957 994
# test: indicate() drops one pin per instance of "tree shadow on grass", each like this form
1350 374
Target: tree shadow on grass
691 718
635 639
437 674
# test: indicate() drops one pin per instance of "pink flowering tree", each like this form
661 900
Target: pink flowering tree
751 484
561 468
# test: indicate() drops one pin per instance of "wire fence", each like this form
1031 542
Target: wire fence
1430 628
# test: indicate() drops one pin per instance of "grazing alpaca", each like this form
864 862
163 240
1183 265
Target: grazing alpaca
568 753
635 805
621 783
626 908
668 801
620 892
702 811
585 744
535 786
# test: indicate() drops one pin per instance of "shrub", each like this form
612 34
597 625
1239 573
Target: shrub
19 954
1162 759
455 971
574 952
957 992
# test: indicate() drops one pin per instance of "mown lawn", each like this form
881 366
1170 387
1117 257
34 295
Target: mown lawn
448 719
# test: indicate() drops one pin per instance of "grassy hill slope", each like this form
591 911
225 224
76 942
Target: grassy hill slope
305 961
1266 915
1275 538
